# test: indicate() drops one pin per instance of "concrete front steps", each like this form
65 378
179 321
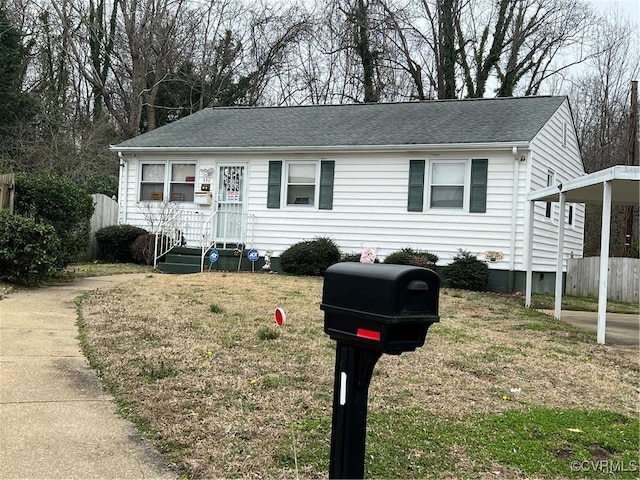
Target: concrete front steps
182 260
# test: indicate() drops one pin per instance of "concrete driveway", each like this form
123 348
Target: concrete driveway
622 329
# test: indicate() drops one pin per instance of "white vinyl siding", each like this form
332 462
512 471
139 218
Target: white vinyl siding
370 209
548 152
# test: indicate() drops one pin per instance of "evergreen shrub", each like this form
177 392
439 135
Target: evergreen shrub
58 202
116 241
466 272
105 184
409 256
310 257
29 251
350 257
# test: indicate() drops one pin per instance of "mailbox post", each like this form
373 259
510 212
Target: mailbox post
370 309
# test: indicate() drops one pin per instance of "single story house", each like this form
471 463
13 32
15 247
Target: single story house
437 176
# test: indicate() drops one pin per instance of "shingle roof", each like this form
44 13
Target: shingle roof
417 123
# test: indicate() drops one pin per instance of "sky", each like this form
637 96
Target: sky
630 8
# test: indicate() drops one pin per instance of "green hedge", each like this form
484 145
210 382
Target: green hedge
116 241
311 257
409 256
29 251
466 272
58 202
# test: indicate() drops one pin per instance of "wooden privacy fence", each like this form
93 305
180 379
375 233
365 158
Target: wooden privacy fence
7 189
583 277
105 214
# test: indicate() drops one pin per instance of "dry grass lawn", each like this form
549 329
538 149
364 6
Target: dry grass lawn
198 361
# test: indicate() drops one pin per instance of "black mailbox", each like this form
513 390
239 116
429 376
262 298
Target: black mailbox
369 309
387 308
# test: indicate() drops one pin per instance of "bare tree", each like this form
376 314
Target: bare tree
273 33
359 27
600 102
540 30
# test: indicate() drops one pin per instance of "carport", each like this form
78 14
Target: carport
619 185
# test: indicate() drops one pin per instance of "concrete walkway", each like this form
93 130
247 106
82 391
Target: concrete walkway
55 419
622 329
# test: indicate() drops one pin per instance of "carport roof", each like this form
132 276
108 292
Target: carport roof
625 182
614 185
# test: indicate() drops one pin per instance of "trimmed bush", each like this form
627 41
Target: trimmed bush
466 272
58 202
29 251
311 257
408 256
116 241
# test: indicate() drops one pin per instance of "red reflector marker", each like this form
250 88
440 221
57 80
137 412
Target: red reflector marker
368 334
279 316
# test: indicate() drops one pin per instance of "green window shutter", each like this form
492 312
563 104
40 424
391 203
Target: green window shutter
327 169
416 186
478 198
273 188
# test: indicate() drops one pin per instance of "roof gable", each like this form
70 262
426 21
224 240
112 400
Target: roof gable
438 122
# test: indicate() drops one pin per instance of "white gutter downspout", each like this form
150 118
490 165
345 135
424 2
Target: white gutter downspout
122 199
514 218
529 223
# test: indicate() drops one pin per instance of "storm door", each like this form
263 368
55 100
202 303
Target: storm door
231 216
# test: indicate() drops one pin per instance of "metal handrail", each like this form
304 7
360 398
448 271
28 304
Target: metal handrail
212 236
207 237
169 234
228 229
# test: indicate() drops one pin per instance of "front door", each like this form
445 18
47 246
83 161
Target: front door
231 218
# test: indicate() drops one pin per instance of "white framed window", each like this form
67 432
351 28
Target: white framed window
162 181
551 181
183 178
448 181
152 180
570 215
301 183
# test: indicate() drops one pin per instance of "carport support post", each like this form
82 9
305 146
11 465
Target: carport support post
559 259
354 367
604 262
